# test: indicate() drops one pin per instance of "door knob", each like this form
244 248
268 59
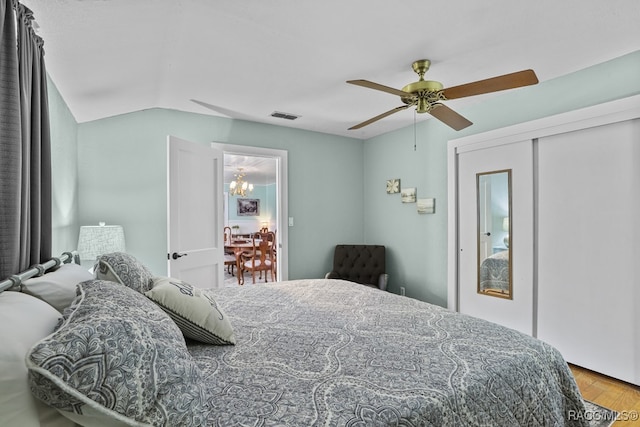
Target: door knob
176 255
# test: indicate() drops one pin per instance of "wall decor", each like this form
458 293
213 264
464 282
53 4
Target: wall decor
248 207
393 186
408 195
426 206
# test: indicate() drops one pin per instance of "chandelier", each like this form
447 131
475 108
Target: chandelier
240 187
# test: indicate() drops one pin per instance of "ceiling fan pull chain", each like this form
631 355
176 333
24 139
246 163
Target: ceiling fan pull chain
415 138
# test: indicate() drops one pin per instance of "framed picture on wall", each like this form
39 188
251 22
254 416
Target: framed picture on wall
408 195
248 207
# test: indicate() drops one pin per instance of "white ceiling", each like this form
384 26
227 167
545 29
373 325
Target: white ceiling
249 58
258 170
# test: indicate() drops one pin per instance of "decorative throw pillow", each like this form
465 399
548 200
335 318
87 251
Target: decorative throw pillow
195 312
58 288
119 357
124 268
24 320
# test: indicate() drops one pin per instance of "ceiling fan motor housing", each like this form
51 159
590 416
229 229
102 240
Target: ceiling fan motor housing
423 92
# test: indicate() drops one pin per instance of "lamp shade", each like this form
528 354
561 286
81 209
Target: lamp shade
95 240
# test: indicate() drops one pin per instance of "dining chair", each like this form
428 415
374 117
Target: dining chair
260 259
230 258
271 237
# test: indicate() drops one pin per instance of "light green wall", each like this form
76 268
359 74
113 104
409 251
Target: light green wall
417 244
266 194
64 164
336 185
123 181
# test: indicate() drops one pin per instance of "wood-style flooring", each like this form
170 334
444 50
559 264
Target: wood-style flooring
610 393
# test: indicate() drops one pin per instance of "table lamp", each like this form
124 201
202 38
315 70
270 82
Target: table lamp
96 240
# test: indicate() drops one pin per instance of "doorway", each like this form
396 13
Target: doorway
266 170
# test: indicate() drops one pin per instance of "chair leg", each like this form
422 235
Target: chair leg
240 275
239 268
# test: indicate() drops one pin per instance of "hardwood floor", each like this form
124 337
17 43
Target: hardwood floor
611 393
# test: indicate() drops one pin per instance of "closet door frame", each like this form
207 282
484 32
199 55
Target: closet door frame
601 114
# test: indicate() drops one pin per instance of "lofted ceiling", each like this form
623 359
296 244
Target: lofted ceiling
247 59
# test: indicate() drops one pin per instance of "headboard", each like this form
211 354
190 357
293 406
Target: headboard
16 280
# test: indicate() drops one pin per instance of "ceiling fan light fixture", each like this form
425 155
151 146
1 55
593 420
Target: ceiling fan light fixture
423 106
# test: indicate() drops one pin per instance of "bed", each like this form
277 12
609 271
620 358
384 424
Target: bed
135 349
494 273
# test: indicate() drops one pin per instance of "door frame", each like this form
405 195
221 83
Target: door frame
600 114
282 183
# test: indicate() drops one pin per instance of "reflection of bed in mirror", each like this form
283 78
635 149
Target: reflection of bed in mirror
494 273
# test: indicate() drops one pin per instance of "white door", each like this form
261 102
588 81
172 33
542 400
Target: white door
588 250
195 213
518 312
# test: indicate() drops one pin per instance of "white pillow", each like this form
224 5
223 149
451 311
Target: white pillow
58 287
195 312
24 320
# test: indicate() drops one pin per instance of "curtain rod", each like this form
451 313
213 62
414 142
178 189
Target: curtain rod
39 269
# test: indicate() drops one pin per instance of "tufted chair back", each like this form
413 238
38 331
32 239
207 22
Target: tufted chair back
361 264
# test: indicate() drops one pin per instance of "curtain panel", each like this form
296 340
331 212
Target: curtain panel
25 146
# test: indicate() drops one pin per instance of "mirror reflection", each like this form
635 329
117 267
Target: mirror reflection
494 233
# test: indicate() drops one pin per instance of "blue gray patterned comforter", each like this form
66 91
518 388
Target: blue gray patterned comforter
494 272
335 353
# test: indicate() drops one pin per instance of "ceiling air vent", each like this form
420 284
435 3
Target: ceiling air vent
285 116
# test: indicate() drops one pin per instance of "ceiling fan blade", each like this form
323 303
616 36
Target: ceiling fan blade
494 84
380 116
383 88
449 117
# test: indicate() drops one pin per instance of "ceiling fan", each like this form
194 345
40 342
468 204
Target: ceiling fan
427 95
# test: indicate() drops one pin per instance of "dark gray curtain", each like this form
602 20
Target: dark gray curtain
25 146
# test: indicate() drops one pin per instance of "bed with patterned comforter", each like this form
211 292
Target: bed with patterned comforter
335 353
494 272
298 353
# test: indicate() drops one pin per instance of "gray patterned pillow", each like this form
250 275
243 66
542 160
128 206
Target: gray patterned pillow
119 357
124 268
195 312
